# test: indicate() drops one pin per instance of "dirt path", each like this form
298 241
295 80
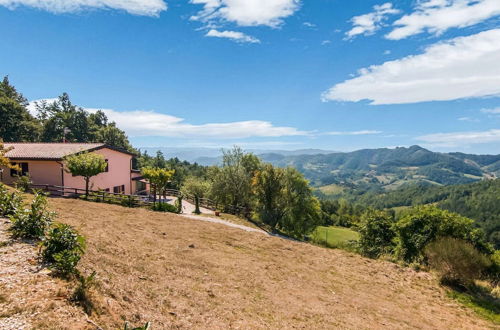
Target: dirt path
29 296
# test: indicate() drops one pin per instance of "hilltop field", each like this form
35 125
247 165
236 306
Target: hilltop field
182 273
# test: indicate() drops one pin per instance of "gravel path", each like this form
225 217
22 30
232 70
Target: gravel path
188 209
223 222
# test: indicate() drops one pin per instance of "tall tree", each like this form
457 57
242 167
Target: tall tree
86 165
232 183
198 188
16 123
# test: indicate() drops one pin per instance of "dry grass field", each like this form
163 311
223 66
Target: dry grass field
180 273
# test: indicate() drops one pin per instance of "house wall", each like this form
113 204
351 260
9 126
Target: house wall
41 172
119 173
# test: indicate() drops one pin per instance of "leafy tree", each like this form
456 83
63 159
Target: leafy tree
16 123
302 209
159 178
269 185
86 165
113 136
232 183
424 224
4 161
198 188
376 233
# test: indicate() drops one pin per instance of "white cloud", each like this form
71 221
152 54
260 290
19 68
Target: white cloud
437 16
495 111
232 35
369 23
32 105
149 123
461 138
464 67
136 7
365 132
246 12
469 119
326 42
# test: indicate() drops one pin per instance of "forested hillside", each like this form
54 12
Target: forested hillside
387 169
479 201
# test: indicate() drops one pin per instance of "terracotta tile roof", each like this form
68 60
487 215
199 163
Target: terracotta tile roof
49 151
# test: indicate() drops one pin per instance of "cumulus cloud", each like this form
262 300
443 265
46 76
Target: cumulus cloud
464 67
233 35
136 7
246 13
461 138
437 16
369 23
365 132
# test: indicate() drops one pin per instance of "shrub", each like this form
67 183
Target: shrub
164 207
82 295
456 261
424 224
23 183
63 248
376 233
10 203
32 222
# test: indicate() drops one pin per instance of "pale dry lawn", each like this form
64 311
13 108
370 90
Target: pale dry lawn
186 274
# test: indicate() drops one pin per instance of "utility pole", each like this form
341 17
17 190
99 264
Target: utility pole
65 131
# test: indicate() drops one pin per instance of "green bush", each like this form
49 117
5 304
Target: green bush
32 222
456 261
146 326
164 207
63 248
82 294
10 203
424 224
24 183
376 234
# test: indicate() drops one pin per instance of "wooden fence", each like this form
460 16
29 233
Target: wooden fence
132 200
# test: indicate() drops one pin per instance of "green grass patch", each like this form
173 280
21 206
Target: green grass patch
335 237
331 189
480 302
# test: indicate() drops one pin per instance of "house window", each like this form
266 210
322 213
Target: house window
23 172
107 166
119 189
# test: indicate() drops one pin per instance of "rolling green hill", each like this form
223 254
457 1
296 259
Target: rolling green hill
388 169
479 201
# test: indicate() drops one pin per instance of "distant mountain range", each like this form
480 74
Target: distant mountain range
213 156
365 170
388 169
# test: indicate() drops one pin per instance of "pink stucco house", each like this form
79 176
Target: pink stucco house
44 163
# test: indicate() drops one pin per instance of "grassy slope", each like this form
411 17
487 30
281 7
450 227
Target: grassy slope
334 236
148 272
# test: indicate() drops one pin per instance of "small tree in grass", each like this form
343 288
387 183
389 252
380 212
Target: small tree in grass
159 178
87 165
198 188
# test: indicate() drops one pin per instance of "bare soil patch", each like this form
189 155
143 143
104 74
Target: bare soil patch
185 274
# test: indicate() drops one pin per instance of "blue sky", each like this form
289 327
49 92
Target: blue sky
268 74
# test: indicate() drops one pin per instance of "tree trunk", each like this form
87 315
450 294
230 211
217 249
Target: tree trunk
87 188
197 205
